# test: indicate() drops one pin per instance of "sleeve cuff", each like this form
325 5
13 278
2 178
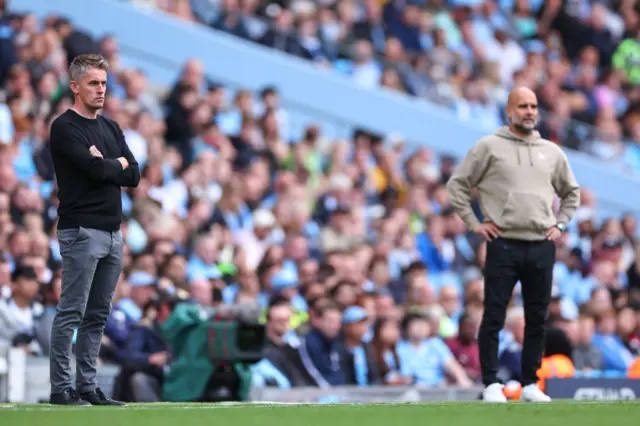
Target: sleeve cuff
112 168
471 221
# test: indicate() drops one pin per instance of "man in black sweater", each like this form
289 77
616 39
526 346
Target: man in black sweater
91 161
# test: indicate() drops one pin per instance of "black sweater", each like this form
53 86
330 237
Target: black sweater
89 187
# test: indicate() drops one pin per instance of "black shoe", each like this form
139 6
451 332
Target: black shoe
98 398
67 397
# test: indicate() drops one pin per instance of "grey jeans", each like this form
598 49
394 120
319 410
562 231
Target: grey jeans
91 266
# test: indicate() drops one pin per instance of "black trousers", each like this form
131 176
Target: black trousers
530 262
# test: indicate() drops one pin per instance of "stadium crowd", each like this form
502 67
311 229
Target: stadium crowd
582 57
365 274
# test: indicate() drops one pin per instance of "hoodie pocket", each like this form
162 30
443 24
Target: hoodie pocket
529 211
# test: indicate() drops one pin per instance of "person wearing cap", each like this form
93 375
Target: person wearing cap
19 314
338 234
257 240
359 363
518 175
284 284
339 193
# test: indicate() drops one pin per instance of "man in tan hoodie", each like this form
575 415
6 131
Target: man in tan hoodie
517 174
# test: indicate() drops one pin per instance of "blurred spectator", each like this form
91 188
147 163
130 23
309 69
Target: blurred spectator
147 354
50 297
19 314
360 366
386 334
513 337
427 359
74 41
586 356
281 365
465 347
321 352
615 356
467 56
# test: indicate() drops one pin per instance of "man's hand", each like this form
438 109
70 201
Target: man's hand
465 383
159 358
94 151
488 230
553 233
124 163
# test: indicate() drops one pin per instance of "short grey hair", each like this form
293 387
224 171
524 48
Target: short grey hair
83 63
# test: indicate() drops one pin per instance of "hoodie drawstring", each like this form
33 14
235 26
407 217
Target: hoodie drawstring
505 133
528 152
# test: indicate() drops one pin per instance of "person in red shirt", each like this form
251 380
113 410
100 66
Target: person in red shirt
465 346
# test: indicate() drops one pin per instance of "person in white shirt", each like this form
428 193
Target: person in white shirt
19 313
256 241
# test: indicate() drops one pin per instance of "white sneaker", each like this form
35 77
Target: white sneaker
493 393
532 393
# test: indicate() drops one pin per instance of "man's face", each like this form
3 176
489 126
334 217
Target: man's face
27 288
5 273
468 330
308 271
177 268
586 328
523 112
297 249
201 291
279 318
357 330
91 89
20 245
384 304
142 295
330 323
271 100
419 329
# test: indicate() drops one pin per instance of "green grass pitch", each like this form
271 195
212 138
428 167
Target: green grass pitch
561 413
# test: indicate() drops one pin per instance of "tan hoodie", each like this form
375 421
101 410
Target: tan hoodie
517 179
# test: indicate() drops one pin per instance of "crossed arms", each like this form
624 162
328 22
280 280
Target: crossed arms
122 171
